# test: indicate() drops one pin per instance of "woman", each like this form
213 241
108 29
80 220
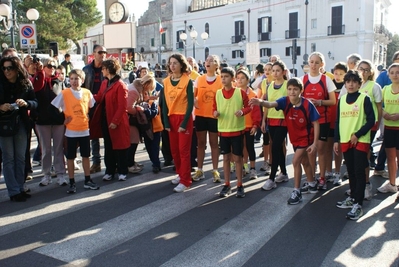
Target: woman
178 105
50 124
16 92
111 122
134 98
205 90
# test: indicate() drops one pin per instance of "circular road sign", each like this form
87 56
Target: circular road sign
27 31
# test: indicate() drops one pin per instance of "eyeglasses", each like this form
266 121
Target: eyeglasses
51 66
7 68
364 70
101 52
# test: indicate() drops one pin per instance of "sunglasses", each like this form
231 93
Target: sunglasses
50 66
101 52
8 68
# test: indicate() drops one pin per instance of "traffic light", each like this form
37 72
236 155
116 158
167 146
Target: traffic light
53 48
294 51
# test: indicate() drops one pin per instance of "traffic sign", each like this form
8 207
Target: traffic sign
27 35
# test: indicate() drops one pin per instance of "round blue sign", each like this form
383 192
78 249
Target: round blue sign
27 31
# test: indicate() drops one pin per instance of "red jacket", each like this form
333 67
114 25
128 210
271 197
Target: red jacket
115 101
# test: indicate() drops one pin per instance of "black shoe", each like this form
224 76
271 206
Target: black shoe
72 189
18 198
155 169
167 163
26 195
226 190
240 192
295 198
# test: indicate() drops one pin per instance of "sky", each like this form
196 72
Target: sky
137 7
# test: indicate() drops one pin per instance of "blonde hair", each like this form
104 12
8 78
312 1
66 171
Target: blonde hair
150 80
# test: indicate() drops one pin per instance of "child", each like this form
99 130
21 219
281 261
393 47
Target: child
301 117
355 118
230 106
75 102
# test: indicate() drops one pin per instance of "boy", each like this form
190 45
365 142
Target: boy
355 118
75 102
303 126
229 107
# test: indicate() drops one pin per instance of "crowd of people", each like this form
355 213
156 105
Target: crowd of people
327 116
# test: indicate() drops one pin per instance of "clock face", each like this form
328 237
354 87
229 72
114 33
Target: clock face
117 12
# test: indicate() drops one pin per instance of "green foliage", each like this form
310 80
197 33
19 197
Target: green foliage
392 48
60 20
129 65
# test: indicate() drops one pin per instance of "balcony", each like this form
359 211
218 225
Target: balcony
264 36
235 39
179 45
336 30
289 34
382 33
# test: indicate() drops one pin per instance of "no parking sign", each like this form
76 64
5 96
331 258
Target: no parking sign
27 35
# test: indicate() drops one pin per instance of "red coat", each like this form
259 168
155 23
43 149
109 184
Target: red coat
115 101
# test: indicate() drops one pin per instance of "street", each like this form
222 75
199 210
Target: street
141 222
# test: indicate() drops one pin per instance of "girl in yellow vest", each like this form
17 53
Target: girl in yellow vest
75 102
390 98
205 88
178 105
355 118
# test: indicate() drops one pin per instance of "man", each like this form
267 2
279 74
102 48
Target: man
352 61
67 64
93 82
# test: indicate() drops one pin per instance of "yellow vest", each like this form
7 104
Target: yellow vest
273 95
227 121
391 104
352 118
77 109
368 90
176 96
205 94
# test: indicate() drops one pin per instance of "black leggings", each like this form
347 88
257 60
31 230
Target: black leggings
277 136
250 145
356 164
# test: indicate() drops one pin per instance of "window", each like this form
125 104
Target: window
293 31
264 28
313 24
337 26
238 32
163 38
265 52
206 52
237 54
179 42
152 42
207 28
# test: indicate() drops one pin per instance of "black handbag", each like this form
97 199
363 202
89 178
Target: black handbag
9 123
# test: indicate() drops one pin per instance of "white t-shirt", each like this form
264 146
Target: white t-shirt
58 102
315 79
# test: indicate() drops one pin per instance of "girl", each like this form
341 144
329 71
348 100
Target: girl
178 103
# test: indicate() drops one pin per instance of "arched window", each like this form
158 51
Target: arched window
206 52
207 28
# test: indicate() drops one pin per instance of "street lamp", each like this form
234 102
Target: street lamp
9 19
193 36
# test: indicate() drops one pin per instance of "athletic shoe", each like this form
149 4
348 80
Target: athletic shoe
71 189
252 174
156 169
307 188
329 177
46 180
355 213
180 188
387 188
176 180
226 190
107 177
216 176
135 169
29 176
368 193
91 185
198 175
337 179
265 166
281 178
346 204
232 167
382 173
322 184
122 177
295 198
240 192
62 181
246 169
269 185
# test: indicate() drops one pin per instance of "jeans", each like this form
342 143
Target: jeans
152 147
13 148
95 151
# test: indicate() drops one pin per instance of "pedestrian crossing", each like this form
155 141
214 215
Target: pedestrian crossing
141 222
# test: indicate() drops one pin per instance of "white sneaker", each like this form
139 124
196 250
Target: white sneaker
387 188
382 173
281 178
269 185
368 194
252 174
176 180
337 179
122 177
46 180
107 177
180 188
62 181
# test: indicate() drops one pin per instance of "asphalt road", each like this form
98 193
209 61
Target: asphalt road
141 222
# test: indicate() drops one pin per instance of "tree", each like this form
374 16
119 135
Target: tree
60 20
392 48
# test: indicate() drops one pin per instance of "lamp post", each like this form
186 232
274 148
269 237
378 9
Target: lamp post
306 33
193 36
8 16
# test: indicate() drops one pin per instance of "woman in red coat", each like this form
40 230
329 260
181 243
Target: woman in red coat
111 122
